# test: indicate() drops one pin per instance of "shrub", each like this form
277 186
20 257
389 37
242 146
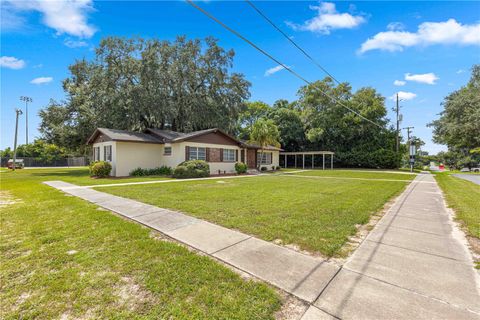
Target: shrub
192 169
100 169
159 171
278 168
240 167
263 168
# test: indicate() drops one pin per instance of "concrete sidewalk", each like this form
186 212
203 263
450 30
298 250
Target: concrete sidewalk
414 265
298 274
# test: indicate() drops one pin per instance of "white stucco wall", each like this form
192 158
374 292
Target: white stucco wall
102 154
131 155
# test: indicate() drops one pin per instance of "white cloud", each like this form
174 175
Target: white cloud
428 78
41 80
66 17
460 71
399 83
428 33
395 26
74 43
402 95
273 70
328 19
11 62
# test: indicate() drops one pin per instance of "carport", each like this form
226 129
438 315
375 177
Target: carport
309 154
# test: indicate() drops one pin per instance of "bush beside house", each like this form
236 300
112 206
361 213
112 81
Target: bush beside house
240 167
159 171
100 169
192 169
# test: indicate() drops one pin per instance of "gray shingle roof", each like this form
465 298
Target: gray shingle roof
123 135
173 136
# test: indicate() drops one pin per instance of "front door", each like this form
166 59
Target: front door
251 158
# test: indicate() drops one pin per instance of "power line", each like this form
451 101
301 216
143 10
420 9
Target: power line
291 40
278 62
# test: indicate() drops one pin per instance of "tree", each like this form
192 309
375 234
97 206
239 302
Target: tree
290 126
133 84
39 150
458 126
331 126
251 113
264 133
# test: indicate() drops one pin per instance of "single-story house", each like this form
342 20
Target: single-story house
128 150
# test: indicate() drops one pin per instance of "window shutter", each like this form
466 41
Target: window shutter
207 154
187 151
236 155
221 155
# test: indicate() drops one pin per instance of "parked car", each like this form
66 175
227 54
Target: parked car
18 164
477 169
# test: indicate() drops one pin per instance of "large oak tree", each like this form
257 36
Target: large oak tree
133 84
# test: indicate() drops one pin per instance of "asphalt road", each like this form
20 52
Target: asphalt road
475 178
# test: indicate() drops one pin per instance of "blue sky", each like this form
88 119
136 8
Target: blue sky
423 49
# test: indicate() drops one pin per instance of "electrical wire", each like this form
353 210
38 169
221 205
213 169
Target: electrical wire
278 62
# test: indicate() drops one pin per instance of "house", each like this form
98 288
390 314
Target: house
128 150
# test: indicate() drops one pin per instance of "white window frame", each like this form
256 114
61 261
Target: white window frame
96 153
264 158
165 151
107 155
228 155
195 154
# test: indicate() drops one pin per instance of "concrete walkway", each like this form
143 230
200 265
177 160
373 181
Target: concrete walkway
301 275
413 265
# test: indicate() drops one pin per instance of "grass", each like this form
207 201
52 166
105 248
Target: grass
63 258
462 196
80 176
367 174
318 215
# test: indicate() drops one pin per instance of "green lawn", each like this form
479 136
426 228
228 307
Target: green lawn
316 214
80 176
367 174
63 258
463 196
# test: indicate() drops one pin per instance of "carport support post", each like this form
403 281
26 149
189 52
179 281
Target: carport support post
295 161
285 164
323 163
303 161
312 160
331 161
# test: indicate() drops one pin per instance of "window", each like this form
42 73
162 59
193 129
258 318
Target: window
96 153
195 153
107 152
228 155
167 151
264 158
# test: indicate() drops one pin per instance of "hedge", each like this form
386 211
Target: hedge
192 169
159 171
100 169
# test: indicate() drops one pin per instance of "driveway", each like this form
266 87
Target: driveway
475 178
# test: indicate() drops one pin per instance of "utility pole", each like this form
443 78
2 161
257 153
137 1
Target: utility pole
408 131
26 100
397 111
411 149
18 112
